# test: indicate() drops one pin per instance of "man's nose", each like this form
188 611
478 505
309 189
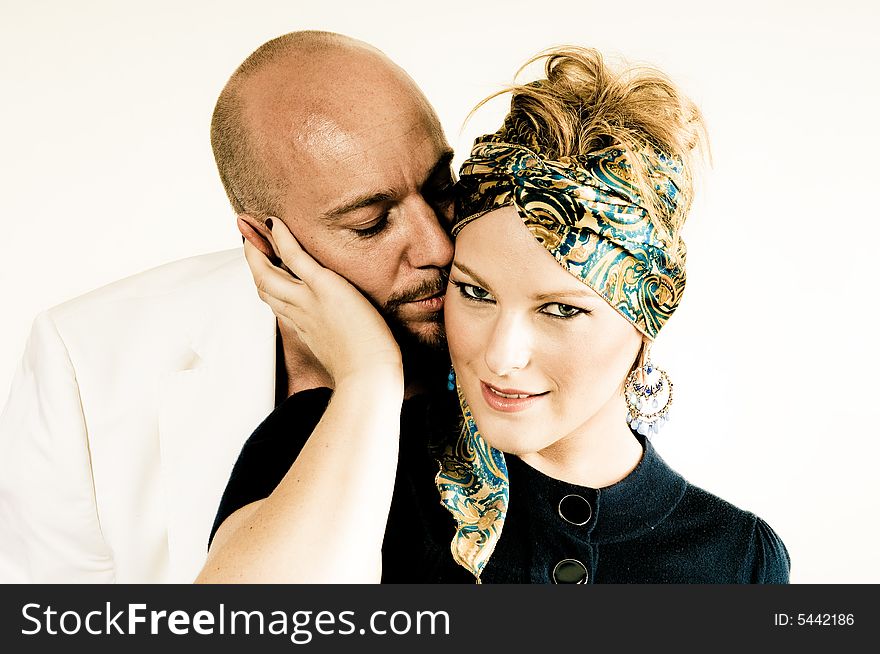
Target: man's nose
509 346
430 244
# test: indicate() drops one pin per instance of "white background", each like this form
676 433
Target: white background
106 170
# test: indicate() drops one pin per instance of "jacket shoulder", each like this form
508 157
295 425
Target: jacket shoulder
166 278
155 320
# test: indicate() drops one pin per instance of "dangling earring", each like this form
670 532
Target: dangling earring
648 393
450 379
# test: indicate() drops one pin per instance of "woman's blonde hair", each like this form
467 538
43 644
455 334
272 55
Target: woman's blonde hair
583 106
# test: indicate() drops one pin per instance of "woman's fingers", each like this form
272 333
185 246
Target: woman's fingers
299 262
245 224
357 345
272 281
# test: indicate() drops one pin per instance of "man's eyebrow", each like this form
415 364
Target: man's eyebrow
384 195
359 202
443 164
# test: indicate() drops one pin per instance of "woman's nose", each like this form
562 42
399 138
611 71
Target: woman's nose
509 346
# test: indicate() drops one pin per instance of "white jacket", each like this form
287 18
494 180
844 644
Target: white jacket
124 421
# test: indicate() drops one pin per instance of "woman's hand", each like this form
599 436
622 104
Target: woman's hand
334 320
325 521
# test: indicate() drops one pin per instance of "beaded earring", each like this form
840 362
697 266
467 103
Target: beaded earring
450 379
648 393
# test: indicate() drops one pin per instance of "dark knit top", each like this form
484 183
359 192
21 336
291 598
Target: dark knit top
650 527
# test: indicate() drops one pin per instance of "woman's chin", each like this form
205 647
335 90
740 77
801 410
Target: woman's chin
517 442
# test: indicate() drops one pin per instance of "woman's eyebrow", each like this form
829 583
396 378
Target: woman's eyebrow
470 273
585 294
582 294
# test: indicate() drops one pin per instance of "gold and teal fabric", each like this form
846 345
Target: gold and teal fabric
589 215
474 487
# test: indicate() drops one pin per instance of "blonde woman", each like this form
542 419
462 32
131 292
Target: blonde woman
536 466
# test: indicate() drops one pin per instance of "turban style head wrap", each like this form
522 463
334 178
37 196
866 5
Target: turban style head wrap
588 212
597 214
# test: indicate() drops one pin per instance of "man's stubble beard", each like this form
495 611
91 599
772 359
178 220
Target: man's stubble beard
422 343
425 354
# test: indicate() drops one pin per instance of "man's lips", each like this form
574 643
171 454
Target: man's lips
508 400
428 303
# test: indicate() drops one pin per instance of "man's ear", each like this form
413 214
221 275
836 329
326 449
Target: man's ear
254 230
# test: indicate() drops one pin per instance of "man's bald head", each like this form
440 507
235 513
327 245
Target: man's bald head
327 135
292 100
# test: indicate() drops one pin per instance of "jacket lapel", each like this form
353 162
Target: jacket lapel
223 388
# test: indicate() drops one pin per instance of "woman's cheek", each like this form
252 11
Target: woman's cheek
456 326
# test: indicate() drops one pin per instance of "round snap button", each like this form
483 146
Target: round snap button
575 509
570 571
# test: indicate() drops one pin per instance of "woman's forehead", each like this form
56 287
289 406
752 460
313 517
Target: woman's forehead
498 249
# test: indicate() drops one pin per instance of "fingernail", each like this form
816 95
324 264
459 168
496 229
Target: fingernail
269 223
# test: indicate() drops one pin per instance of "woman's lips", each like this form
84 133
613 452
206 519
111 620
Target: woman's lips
508 400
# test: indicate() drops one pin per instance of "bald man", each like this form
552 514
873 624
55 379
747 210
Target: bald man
132 402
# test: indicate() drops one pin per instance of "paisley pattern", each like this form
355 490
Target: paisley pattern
588 214
473 486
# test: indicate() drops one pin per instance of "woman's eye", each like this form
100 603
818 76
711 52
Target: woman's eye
472 292
563 310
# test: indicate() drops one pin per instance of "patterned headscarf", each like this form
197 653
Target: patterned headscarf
588 213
